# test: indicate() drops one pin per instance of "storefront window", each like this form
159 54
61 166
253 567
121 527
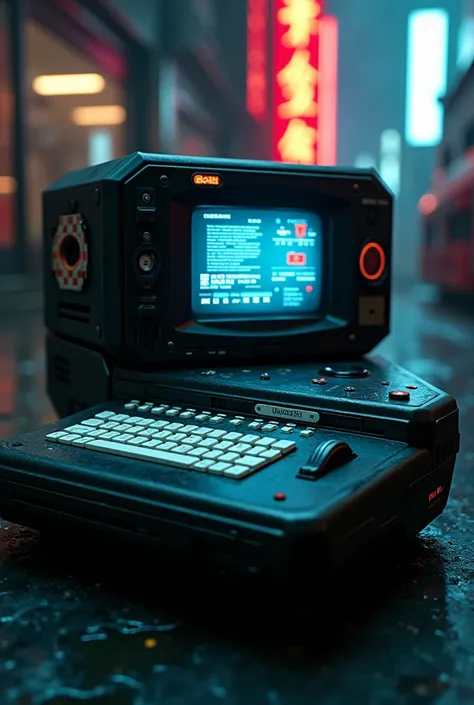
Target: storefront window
7 180
76 116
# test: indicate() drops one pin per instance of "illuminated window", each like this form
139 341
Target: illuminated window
427 68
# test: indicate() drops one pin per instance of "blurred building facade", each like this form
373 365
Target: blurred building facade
172 76
156 76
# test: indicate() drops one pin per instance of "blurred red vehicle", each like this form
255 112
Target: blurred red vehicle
447 211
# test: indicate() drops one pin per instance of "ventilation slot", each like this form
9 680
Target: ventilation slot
443 452
80 313
62 369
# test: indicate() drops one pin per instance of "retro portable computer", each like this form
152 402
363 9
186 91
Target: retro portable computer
208 322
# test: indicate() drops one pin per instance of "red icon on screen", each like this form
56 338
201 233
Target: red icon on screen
309 289
301 229
296 258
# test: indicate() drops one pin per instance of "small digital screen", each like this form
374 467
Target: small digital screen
256 262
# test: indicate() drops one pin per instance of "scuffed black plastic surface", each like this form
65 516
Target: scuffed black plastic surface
74 627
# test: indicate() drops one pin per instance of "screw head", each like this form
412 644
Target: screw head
146 197
170 345
164 180
146 236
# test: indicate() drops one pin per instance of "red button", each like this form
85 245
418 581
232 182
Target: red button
279 496
412 386
399 395
372 261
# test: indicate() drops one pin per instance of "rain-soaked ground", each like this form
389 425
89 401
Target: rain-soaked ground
96 629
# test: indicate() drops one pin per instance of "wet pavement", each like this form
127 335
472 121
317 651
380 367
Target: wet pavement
88 629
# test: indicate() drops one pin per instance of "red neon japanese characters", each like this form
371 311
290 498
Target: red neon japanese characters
296 80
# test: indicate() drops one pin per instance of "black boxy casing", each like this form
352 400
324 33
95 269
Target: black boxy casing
145 321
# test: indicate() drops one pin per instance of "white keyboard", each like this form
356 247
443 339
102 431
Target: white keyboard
185 438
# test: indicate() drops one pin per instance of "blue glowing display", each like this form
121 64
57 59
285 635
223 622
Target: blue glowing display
255 262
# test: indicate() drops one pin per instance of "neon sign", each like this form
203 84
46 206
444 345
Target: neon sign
296 80
257 26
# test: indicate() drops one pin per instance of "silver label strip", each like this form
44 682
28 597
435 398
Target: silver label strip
288 413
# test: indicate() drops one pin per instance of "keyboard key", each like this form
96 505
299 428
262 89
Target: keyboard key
130 406
255 425
108 436
105 415
223 445
237 472
217 419
187 415
68 438
151 444
146 432
203 465
270 454
147 454
123 438
232 436
252 462
208 443
256 450
204 431
97 432
217 434
198 452
157 410
81 441
287 429
306 433
242 448
173 412
77 428
135 430
144 422
193 440
265 442
119 417
177 437
213 455
218 468
175 427
236 422
137 441
168 446
229 457
159 424
284 446
122 427
269 427
145 407
55 436
184 449
249 439
161 435
132 420
189 429
93 423
201 417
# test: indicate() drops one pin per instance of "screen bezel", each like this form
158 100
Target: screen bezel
181 207
250 316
